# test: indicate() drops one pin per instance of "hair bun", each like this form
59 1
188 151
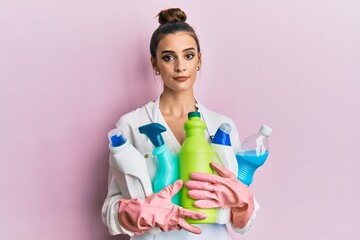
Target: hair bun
171 15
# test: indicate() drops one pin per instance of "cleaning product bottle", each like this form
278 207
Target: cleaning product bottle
221 145
129 167
225 156
195 156
253 152
167 163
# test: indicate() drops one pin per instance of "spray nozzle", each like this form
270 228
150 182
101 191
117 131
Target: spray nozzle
153 132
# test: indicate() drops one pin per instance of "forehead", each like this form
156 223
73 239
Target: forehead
176 42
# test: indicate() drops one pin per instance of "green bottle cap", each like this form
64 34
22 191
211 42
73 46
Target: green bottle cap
193 114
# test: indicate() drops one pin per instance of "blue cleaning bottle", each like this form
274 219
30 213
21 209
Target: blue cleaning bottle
253 153
167 163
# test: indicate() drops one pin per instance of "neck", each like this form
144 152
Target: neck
178 105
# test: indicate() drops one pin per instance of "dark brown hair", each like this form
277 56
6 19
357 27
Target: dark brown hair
171 20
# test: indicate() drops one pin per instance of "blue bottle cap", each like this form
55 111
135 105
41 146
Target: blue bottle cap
117 141
222 136
116 138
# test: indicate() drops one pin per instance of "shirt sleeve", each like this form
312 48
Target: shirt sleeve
110 208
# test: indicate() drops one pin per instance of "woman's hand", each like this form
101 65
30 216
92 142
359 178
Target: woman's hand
157 210
223 191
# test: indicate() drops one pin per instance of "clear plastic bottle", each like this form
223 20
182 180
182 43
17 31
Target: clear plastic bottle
253 153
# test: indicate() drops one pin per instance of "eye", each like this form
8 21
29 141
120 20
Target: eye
168 58
189 56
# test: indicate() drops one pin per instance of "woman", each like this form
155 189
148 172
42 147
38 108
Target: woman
176 58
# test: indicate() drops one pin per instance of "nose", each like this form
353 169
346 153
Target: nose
180 65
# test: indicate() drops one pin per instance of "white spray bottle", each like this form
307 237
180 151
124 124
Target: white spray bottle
129 167
225 156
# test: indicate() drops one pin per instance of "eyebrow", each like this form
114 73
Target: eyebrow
170 51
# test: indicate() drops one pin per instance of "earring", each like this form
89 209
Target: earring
157 72
198 68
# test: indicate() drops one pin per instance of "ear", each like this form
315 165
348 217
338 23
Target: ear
199 54
154 64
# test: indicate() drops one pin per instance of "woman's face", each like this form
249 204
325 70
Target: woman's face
177 61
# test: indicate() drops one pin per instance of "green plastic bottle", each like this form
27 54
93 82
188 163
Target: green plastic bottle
195 156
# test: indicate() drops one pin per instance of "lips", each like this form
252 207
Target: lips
181 78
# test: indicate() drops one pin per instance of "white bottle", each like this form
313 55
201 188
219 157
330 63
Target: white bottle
129 167
225 156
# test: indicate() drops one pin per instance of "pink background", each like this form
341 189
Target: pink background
70 69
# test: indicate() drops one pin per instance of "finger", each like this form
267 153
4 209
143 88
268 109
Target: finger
188 227
199 185
207 204
177 186
202 195
204 177
166 227
172 189
196 215
223 172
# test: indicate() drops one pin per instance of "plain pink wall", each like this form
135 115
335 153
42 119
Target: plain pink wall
70 69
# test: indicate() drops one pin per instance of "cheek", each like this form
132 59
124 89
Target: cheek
192 66
164 68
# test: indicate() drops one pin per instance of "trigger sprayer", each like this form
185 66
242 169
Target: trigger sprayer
167 163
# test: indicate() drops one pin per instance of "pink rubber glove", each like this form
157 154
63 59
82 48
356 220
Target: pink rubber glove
157 210
223 191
